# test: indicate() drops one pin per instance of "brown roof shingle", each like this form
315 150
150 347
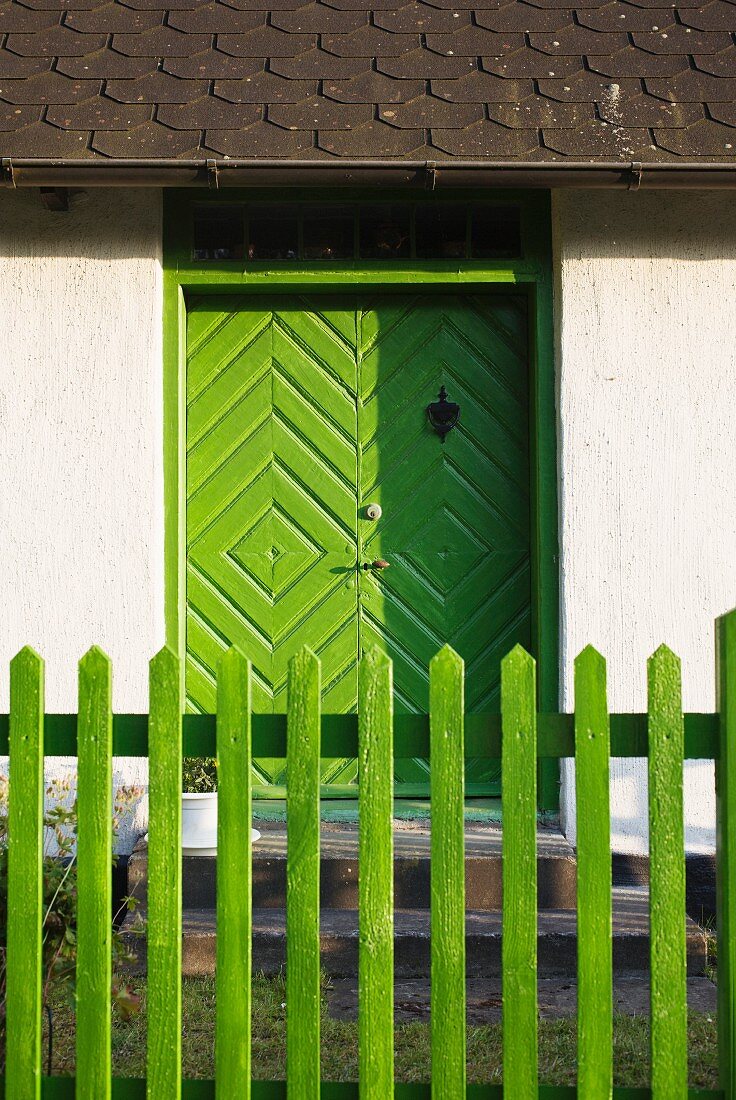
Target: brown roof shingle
541 80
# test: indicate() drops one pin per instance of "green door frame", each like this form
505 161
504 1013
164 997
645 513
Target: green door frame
532 275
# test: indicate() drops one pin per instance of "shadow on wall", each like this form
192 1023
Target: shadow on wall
691 226
100 224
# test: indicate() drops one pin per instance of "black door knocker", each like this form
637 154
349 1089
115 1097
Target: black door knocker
443 414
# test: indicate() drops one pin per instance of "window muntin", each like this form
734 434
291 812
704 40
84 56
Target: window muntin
390 231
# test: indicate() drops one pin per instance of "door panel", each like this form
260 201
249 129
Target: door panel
271 499
455 527
302 410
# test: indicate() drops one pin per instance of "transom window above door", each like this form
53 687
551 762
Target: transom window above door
283 232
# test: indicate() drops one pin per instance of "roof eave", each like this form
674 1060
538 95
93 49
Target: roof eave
424 175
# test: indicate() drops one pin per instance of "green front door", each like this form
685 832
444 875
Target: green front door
302 411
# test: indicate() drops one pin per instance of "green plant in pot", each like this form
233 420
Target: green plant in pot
199 775
199 807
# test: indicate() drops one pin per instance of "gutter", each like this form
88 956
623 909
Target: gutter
422 175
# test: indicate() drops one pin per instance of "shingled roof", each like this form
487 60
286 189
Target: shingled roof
474 80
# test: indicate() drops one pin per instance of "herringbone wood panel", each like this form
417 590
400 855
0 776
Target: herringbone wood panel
271 500
456 517
301 411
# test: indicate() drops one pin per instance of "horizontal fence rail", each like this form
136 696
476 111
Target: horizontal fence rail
339 735
519 736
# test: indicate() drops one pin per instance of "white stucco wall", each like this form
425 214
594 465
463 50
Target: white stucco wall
646 346
81 510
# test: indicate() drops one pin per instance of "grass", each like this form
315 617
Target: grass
557 1042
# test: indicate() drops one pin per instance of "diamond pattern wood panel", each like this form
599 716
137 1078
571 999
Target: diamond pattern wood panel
301 412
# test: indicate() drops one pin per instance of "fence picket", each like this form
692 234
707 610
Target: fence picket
25 878
447 892
666 747
519 838
726 851
302 878
94 876
234 879
667 879
375 880
595 979
163 1080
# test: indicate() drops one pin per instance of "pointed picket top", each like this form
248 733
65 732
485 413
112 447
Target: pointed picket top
26 682
447 658
234 668
233 697
727 619
234 662
726 654
304 658
165 662
664 653
664 672
590 657
517 659
375 675
26 659
374 657
590 669
518 692
95 660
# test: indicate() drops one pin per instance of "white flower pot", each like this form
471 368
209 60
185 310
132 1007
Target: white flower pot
199 824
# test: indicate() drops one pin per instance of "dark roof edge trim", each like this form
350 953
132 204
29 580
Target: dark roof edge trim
424 175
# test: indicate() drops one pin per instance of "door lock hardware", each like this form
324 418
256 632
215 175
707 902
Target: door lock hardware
374 511
379 563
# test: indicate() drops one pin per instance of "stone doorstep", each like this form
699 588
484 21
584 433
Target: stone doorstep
556 868
556 942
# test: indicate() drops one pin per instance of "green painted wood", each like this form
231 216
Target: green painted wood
545 515
726 851
529 276
302 879
271 499
595 978
519 842
376 878
555 735
164 878
301 411
25 871
667 878
447 889
234 879
94 877
455 527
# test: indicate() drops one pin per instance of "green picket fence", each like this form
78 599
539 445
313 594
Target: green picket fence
519 736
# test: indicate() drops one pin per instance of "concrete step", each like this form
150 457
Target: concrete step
556 943
556 868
